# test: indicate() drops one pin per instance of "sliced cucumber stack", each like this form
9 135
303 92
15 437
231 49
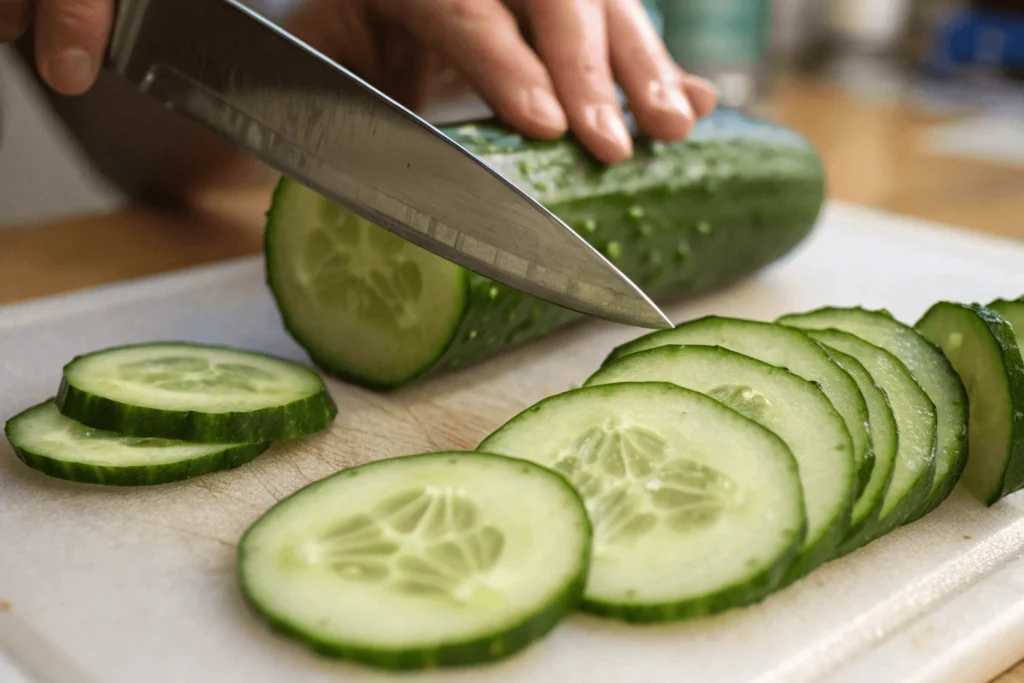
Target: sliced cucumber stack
696 509
885 441
194 392
983 349
916 421
421 561
56 445
790 407
1013 313
929 367
785 348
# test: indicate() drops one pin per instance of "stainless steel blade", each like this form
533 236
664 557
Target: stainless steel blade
307 117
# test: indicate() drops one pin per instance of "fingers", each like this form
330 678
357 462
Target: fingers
702 93
71 37
571 37
647 74
481 39
15 16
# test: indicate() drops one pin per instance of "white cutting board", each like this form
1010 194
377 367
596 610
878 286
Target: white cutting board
138 586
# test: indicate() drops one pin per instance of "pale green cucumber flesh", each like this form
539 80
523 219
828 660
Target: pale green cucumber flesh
884 440
1013 313
790 407
364 302
983 350
929 367
696 509
782 347
194 392
915 418
56 445
438 559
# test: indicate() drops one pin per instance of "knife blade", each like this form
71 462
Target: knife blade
310 119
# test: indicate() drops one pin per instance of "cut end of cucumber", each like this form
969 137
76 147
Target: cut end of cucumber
420 560
383 307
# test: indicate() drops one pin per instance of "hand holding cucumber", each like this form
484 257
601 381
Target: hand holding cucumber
564 80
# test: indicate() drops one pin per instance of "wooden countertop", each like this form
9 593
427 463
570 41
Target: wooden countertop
873 153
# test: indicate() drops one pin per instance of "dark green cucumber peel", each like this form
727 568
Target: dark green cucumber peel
679 219
947 394
998 336
501 644
299 418
230 457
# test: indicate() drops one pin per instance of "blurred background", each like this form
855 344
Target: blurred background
917 107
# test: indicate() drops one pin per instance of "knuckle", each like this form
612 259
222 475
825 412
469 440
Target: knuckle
78 15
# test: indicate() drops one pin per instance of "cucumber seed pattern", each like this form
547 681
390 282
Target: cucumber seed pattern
743 400
191 374
385 292
631 484
427 541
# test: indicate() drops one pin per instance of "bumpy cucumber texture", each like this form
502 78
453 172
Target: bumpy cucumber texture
678 219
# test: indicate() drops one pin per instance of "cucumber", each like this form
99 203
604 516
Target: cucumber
885 441
791 407
437 559
929 367
786 348
679 512
60 447
194 392
914 413
1013 313
983 350
370 307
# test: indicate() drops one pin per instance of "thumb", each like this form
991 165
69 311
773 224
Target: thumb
71 37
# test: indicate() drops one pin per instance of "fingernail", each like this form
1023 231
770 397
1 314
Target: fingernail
546 111
669 97
71 71
607 122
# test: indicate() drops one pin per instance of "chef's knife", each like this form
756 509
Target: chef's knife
271 95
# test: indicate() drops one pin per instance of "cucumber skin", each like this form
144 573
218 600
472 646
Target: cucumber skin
490 648
939 494
748 192
747 592
300 418
138 475
1006 340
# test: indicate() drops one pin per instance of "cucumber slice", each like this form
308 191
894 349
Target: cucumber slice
915 417
885 441
793 408
1013 313
438 559
983 350
786 348
56 445
929 367
193 392
677 487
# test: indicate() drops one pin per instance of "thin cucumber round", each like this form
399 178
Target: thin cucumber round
983 349
421 561
60 447
786 348
791 407
916 421
1013 313
696 509
929 367
884 439
194 392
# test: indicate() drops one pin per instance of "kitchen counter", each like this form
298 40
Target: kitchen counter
873 151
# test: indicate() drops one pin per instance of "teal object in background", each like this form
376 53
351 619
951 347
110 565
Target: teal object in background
654 12
724 40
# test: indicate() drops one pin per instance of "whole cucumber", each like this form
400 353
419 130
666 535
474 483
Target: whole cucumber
736 195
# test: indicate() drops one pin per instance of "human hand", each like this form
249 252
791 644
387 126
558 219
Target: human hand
70 38
563 81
